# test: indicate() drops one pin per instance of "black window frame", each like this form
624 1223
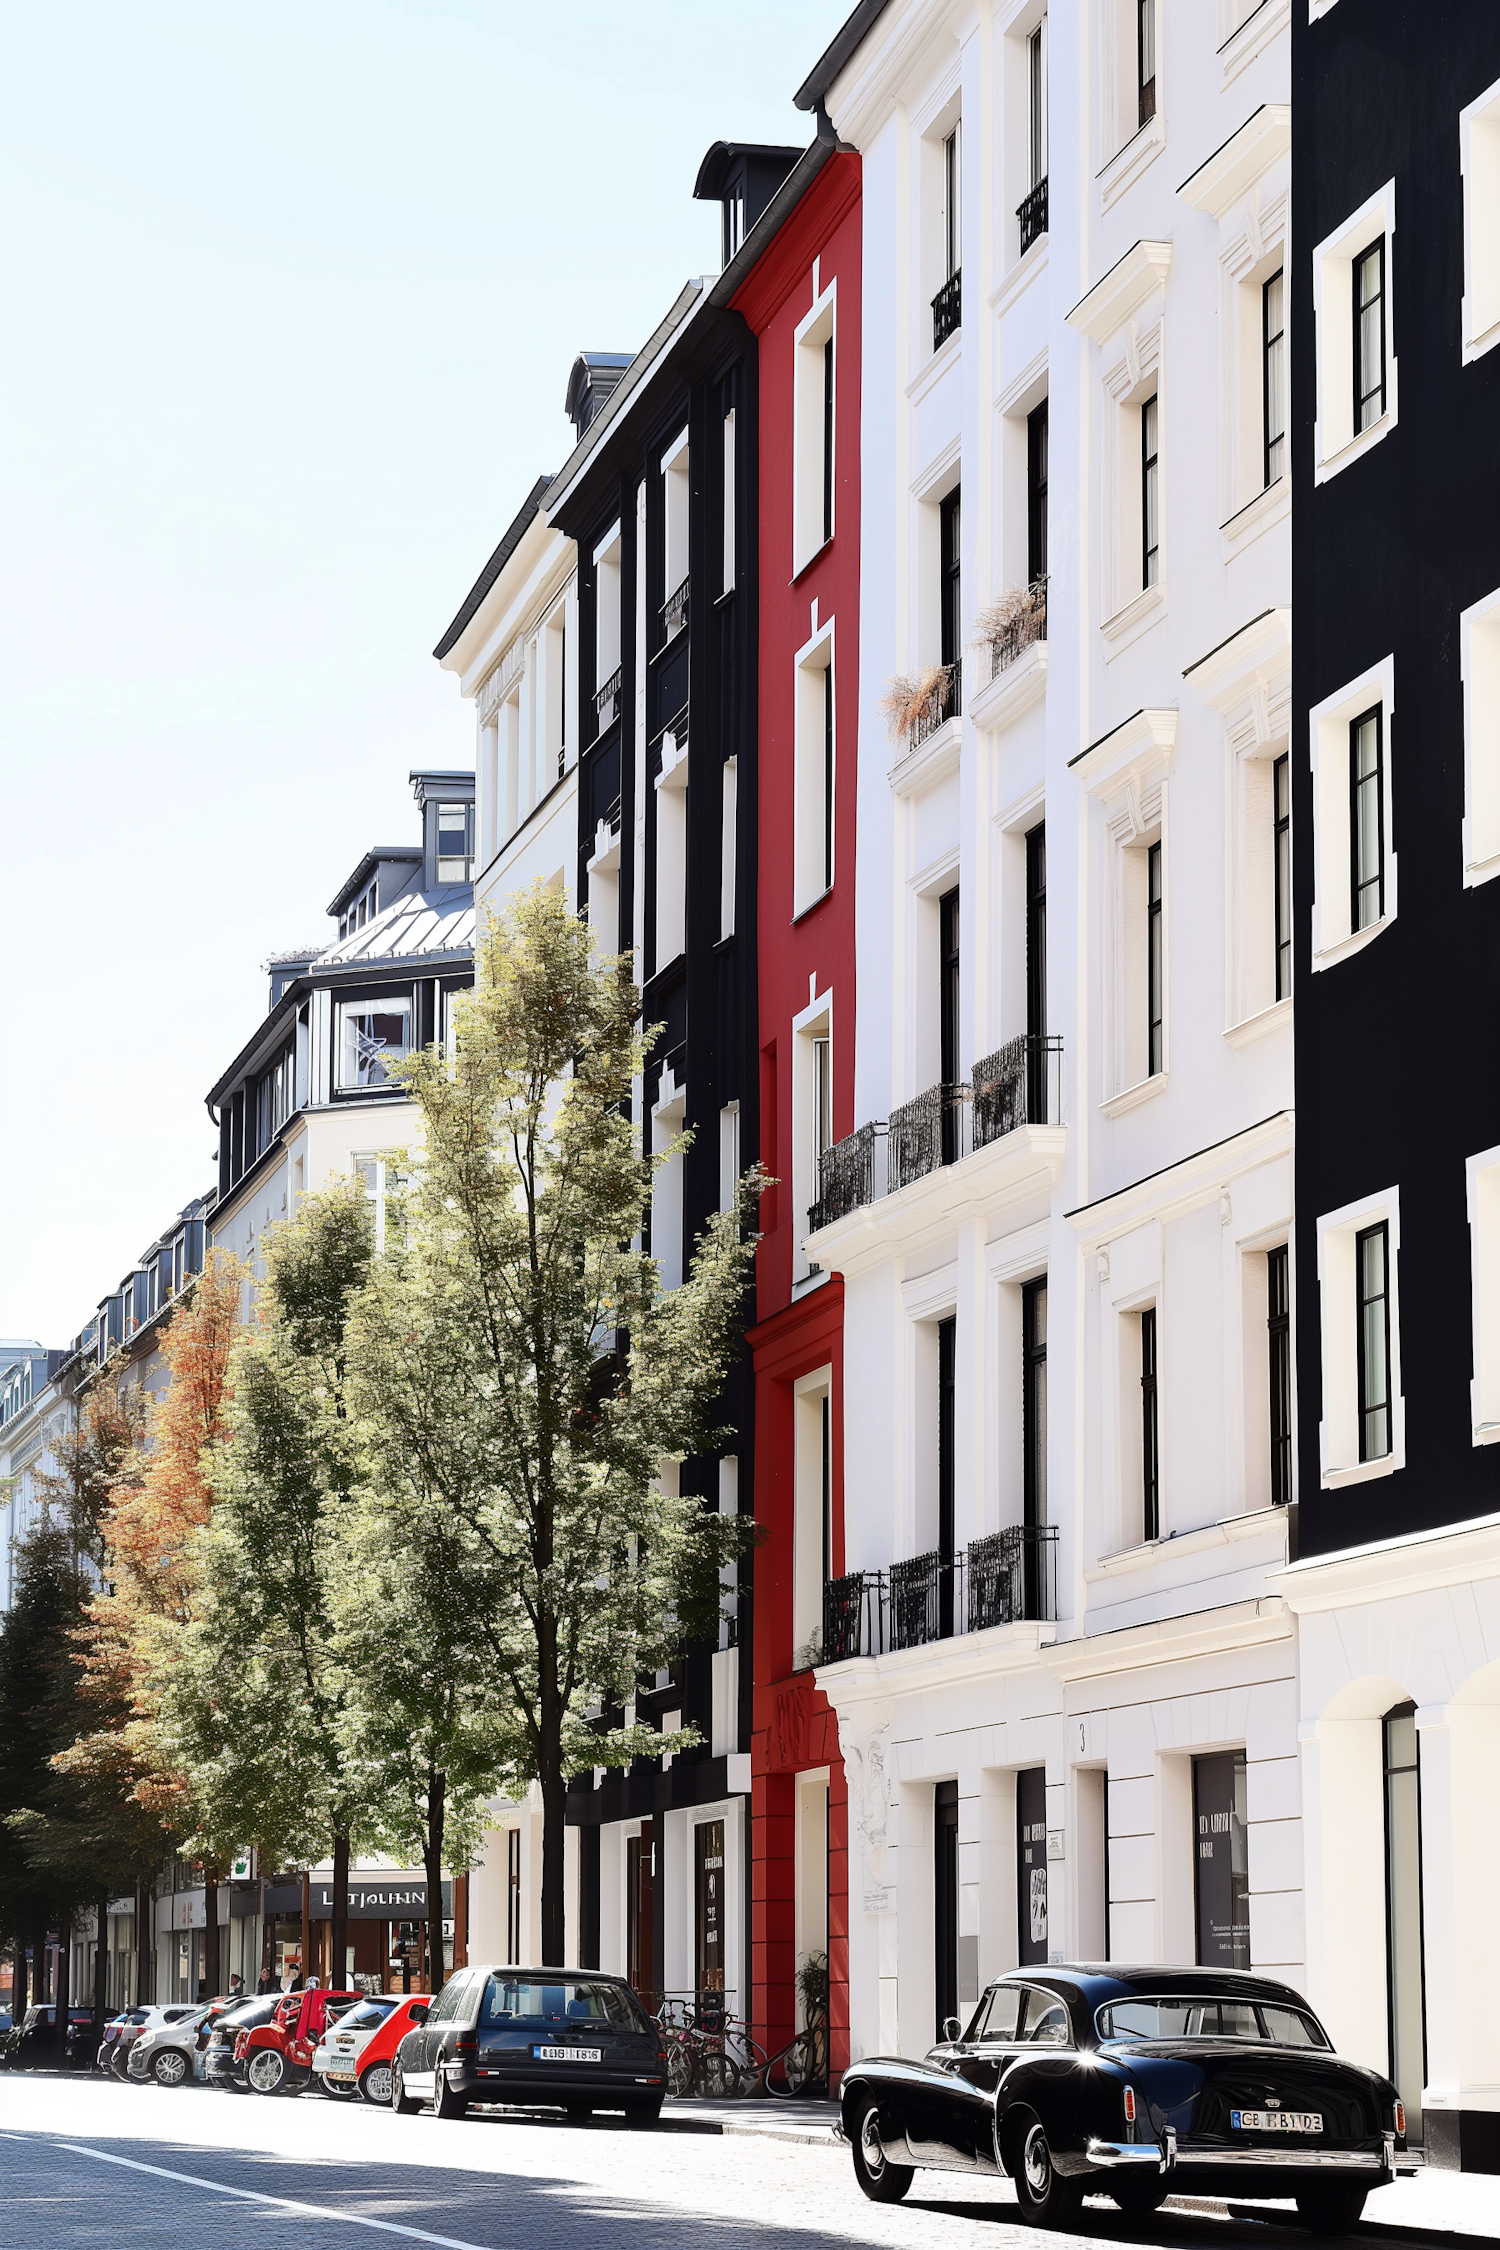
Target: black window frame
947 1405
1358 784
945 1902
1150 1429
1036 493
1279 1372
1367 1407
828 774
1361 305
1034 1422
1273 382
1145 62
950 992
1036 104
1150 491
952 189
950 577
828 437
1281 862
1156 1043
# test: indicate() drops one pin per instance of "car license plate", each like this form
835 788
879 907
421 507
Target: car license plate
1276 2120
568 2054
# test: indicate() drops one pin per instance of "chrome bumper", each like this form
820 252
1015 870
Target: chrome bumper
1133 2156
1147 2156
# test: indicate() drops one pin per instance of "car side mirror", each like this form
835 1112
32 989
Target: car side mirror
953 2027
419 2015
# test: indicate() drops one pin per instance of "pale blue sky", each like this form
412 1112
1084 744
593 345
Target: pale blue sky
289 296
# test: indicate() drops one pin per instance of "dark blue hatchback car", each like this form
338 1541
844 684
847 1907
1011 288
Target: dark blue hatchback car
554 2037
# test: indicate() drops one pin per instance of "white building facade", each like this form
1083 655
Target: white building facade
1067 1687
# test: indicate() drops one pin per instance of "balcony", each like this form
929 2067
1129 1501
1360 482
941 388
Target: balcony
1019 1084
1032 214
947 310
674 612
1012 624
1006 1578
607 702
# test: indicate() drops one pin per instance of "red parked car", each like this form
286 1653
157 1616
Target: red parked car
276 2057
368 2064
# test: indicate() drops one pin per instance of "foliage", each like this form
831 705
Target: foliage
812 1987
520 1374
914 700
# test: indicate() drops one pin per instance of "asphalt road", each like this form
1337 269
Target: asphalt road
139 2168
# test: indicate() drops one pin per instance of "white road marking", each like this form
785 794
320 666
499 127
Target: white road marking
279 2202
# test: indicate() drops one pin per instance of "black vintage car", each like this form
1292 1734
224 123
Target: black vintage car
1137 2083
558 2037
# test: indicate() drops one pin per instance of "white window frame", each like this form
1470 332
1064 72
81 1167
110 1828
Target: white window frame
1482 1191
390 1002
729 1155
1249 682
1338 1432
1479 163
671 851
1335 443
676 515
1131 379
1334 938
608 596
729 813
1126 146
668 1120
808 1393
384 1178
1479 663
817 327
730 512
1127 773
813 1023
814 851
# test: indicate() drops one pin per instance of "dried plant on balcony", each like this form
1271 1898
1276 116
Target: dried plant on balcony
913 701
1011 621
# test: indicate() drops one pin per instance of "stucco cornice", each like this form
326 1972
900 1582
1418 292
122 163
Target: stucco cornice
1387 1569
1120 293
1018 1165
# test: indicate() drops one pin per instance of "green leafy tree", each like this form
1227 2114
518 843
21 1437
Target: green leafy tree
520 1373
249 1688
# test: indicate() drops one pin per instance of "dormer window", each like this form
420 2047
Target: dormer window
373 1034
455 843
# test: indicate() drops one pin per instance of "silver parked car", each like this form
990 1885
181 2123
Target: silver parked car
167 2052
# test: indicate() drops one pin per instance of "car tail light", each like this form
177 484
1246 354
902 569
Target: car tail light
1130 2105
1401 2117
467 2045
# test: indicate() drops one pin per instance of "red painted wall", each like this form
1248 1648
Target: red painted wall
794 1729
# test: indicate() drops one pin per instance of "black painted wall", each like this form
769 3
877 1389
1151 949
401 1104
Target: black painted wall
1397 1058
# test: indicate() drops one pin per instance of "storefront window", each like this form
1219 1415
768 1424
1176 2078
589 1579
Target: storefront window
1221 1868
1031 1863
708 1838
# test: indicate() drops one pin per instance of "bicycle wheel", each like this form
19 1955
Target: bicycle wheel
682 2071
749 2064
720 2078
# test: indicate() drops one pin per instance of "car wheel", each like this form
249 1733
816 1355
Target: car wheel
1331 2210
445 2103
882 2181
1138 2198
1045 2196
266 2070
375 2084
170 2067
403 2103
643 2111
335 2088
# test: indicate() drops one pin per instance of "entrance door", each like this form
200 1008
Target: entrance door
1403 1911
1031 1864
1221 1866
640 1911
945 1901
708 1841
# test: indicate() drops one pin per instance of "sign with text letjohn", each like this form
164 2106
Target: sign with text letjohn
393 1897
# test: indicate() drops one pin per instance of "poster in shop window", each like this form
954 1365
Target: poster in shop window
709 1840
1221 1861
1031 1862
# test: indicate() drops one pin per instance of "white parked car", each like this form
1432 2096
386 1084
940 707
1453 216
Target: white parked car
168 2051
131 2026
335 2063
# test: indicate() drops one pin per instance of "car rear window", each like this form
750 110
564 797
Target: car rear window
1189 2016
365 2016
526 2000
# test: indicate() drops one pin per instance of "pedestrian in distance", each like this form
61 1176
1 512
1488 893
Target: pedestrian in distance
265 1983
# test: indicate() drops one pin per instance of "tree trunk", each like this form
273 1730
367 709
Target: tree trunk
554 1796
64 1985
145 1959
305 1969
20 1998
338 1967
437 1791
211 1931
40 1982
101 1970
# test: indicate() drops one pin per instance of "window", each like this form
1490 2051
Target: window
512 1904
1279 1353
1366 822
947 305
1036 494
950 582
1352 745
1031 1865
675 506
709 1917
1479 646
373 1034
1034 1411
607 600
729 1155
821 1090
949 1000
1145 54
1036 931
455 843
814 376
1036 104
1403 1909
380 1178
945 1902
1373 1312
1363 1429
1189 2016
1150 1440
1369 337
671 844
1479 160
947 1354
1281 823
814 763
1150 532
1222 1865
1482 1180
1155 1050
1355 357
728 843
812 1512
1273 358
730 512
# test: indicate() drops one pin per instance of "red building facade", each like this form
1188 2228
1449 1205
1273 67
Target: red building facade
802 298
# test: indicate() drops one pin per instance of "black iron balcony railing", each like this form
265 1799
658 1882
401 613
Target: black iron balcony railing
1005 1578
846 1178
1020 619
607 701
1032 213
945 702
674 612
1019 1084
947 310
926 1132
